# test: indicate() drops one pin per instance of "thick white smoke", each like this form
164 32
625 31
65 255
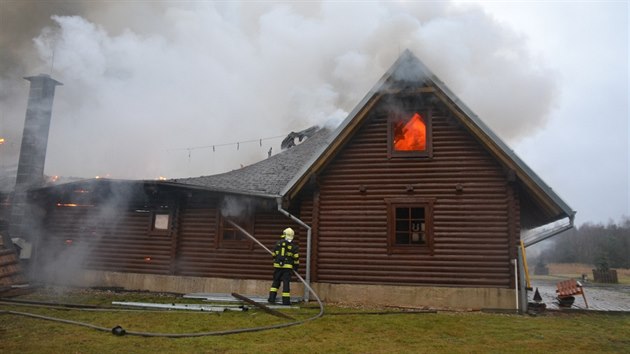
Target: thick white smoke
142 79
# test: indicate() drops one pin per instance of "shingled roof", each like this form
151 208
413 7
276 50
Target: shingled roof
266 178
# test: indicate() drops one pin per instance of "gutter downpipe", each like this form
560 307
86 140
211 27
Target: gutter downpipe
308 246
514 262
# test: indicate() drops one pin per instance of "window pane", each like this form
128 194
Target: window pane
417 213
160 222
230 233
233 234
402 238
402 213
402 226
410 134
417 237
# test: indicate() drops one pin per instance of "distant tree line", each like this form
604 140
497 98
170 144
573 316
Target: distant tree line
602 246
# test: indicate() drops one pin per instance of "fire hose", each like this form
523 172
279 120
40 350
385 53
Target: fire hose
121 331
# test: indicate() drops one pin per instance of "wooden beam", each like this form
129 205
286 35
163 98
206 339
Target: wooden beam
418 90
261 306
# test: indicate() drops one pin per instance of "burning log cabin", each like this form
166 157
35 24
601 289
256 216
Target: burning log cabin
411 201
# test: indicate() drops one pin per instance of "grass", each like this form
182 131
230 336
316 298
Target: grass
348 332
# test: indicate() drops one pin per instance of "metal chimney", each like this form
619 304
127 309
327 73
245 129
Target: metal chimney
30 173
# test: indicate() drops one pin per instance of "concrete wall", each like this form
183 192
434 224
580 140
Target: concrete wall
376 295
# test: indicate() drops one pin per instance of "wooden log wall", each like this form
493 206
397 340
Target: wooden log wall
471 226
201 254
102 236
196 241
92 237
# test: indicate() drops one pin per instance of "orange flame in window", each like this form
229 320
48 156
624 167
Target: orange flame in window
412 136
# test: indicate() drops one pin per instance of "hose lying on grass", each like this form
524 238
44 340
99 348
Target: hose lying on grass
121 331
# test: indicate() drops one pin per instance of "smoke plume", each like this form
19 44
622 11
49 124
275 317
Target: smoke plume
144 81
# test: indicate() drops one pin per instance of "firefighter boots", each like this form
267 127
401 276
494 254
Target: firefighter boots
272 297
286 299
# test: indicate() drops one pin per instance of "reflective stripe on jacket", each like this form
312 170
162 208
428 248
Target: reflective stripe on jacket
286 254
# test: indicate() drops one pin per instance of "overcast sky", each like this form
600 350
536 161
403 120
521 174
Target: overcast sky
145 83
583 153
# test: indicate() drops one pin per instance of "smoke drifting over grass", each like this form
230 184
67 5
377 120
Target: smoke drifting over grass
143 79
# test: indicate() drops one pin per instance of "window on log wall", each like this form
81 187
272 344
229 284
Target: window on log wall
410 225
160 220
409 134
230 236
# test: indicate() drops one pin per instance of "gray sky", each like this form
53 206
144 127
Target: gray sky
145 80
583 152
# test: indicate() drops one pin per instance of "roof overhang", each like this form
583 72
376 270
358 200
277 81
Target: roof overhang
156 183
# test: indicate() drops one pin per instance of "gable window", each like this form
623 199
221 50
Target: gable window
230 236
409 225
409 134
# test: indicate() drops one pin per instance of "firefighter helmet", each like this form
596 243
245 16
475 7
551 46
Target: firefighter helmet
288 234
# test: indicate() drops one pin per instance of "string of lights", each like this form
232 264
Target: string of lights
237 143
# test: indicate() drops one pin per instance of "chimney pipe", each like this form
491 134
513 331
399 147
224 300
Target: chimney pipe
30 173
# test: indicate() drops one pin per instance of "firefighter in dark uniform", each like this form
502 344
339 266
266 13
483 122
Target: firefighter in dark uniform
286 258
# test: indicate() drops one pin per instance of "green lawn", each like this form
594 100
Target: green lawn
341 330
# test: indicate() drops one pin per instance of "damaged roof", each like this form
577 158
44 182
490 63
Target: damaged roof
266 178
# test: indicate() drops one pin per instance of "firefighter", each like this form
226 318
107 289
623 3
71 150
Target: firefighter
286 258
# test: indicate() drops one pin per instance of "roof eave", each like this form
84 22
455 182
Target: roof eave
222 190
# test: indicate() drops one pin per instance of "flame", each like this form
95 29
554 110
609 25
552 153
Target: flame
1 141
161 178
73 205
54 178
412 136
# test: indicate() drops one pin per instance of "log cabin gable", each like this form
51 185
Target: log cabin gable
458 166
408 77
